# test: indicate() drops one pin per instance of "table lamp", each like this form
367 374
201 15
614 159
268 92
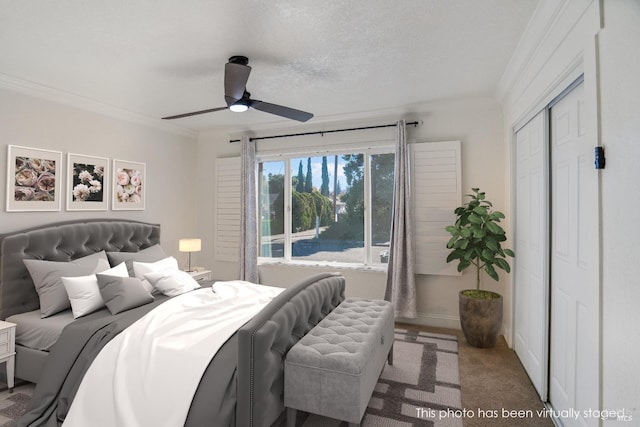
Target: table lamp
189 245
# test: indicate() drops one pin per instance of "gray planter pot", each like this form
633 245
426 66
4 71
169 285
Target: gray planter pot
481 320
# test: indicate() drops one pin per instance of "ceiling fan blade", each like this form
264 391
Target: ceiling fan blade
279 110
235 80
236 75
195 113
229 100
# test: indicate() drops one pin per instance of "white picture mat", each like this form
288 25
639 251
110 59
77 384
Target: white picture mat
128 192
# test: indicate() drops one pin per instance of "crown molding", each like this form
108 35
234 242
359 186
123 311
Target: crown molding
44 92
545 18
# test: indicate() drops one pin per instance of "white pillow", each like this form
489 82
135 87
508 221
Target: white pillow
172 282
84 293
142 268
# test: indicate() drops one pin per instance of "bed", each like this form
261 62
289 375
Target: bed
243 384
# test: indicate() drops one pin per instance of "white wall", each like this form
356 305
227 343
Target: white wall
170 159
620 121
477 122
599 39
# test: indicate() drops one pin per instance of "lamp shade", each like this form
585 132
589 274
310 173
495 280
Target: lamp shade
189 245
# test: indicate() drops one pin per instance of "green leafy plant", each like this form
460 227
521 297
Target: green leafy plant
476 238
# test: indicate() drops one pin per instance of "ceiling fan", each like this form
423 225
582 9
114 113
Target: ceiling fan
236 74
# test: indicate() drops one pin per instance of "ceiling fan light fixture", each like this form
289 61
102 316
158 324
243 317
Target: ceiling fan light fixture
239 107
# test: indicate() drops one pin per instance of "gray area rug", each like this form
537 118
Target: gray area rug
13 405
422 388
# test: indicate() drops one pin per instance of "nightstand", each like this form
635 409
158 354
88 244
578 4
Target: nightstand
199 276
8 349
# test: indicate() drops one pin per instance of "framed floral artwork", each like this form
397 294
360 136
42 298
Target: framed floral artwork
34 178
87 183
129 183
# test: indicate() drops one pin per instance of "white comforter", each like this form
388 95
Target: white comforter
147 375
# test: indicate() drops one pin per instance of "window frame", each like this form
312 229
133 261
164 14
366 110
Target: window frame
367 151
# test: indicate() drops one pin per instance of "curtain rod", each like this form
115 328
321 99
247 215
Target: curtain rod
322 132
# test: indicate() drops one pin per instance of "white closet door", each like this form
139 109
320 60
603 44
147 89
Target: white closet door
531 248
574 356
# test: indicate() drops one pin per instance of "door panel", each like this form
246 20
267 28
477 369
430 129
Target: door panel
531 261
574 363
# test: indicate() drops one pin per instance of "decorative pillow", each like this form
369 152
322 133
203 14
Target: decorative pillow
47 278
142 268
83 291
122 293
151 254
172 282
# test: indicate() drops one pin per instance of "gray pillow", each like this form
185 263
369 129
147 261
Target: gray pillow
122 293
151 254
47 278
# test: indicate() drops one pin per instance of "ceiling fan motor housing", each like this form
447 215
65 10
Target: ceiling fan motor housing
239 59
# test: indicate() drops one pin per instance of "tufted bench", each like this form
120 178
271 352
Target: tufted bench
333 370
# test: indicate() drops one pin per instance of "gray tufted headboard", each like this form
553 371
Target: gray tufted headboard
64 241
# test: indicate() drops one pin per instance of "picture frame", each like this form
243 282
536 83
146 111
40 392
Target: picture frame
87 183
129 185
34 179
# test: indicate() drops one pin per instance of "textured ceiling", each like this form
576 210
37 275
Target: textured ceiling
334 58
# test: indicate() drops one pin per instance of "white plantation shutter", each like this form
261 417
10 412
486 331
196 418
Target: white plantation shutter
437 191
227 239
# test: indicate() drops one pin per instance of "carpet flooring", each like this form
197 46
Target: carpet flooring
494 385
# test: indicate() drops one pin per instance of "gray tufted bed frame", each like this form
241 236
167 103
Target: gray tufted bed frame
262 343
64 241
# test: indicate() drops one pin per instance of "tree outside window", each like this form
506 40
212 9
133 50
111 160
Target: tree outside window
328 208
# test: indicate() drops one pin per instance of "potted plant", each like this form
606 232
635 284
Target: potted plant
475 241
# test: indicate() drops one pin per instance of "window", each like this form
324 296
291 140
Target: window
436 191
330 208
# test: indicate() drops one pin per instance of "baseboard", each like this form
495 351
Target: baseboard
434 320
449 322
506 332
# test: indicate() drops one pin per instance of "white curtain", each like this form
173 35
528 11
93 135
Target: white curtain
401 285
248 223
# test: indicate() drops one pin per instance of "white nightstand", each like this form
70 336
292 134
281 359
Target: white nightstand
8 349
201 275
